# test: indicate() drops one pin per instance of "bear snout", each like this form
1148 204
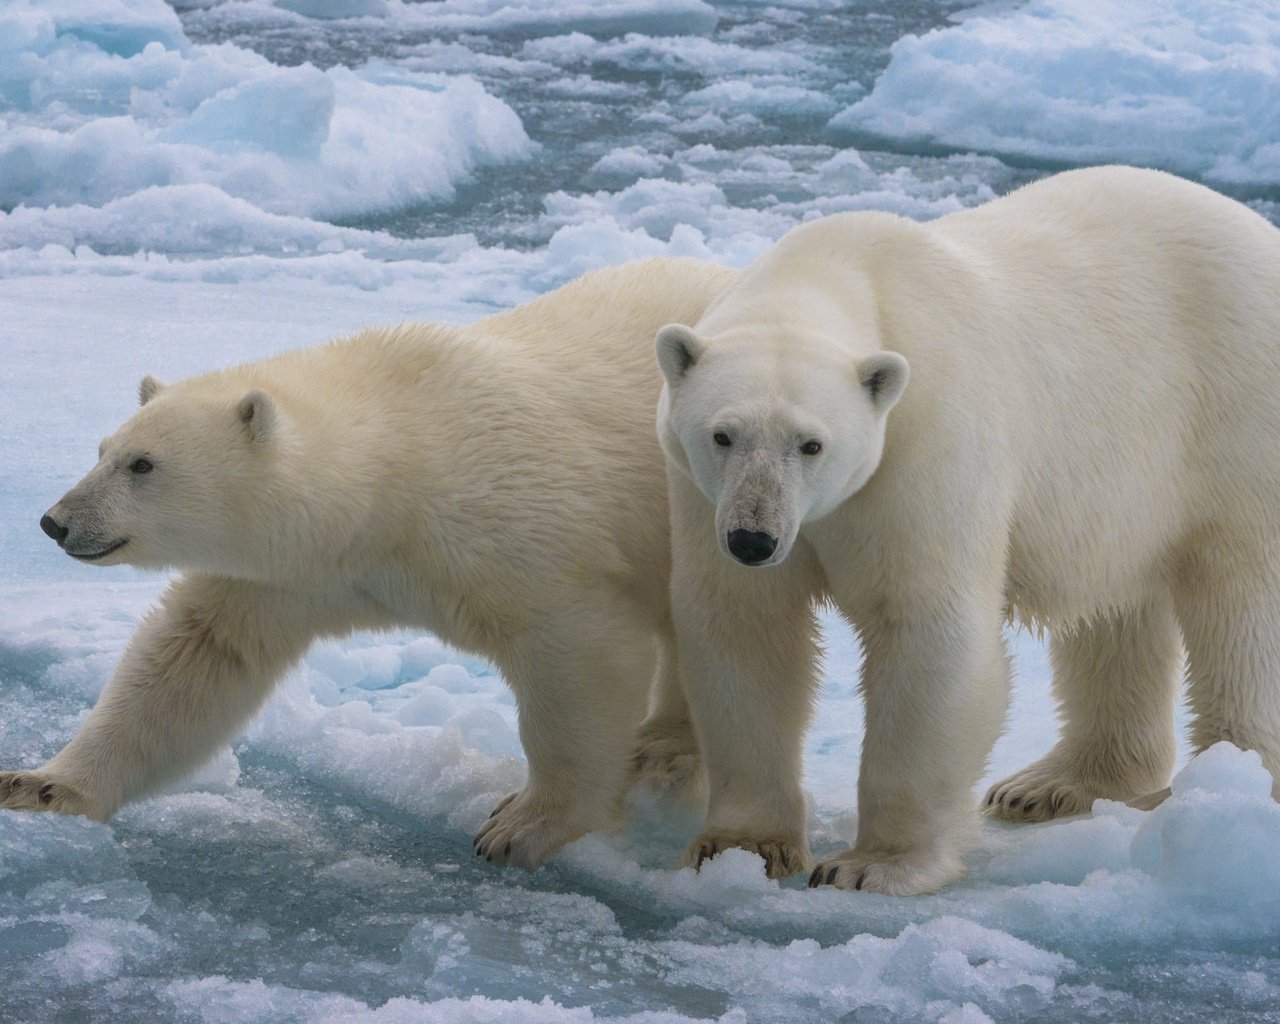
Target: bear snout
54 529
751 547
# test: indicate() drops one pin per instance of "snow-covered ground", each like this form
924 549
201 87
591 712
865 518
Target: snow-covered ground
180 190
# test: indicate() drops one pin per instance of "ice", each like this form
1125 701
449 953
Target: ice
111 101
777 99
200 220
600 17
336 8
523 17
696 217
675 53
1220 829
625 165
291 141
947 966
120 28
1188 85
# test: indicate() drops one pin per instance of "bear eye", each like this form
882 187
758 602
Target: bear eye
721 438
140 466
811 447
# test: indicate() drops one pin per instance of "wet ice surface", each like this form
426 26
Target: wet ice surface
179 192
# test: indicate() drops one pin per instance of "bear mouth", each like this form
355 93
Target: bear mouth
94 556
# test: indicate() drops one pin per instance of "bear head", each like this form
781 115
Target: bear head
776 428
170 486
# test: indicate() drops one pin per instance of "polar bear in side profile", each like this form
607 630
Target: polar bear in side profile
498 484
1089 441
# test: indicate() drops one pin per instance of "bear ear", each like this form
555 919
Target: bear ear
149 388
678 350
884 375
257 412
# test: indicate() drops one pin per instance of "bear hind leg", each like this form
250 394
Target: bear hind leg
1116 683
581 682
1230 614
666 755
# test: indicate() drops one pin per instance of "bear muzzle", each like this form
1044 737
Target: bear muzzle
85 549
54 529
751 547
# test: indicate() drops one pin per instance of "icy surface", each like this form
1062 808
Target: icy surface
179 191
1188 85
126 104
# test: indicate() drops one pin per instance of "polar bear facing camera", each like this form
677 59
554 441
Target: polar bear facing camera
498 484
1062 406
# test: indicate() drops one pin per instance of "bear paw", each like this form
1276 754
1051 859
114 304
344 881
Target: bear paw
1013 800
522 832
31 791
1039 793
893 875
782 857
666 756
1150 801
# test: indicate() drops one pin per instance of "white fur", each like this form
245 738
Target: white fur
1088 442
498 484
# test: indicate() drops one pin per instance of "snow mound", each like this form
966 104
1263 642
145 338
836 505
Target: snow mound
1216 841
1187 85
111 99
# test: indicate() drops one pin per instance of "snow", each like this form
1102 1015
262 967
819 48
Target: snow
1188 85
182 191
100 114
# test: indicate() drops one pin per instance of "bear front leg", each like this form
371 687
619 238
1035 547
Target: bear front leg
581 679
200 664
936 685
747 643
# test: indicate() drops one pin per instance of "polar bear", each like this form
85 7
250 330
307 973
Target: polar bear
1061 407
498 484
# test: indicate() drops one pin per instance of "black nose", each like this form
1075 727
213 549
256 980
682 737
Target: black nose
51 527
751 548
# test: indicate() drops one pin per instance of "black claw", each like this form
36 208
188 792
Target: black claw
813 877
46 793
861 878
1030 806
479 852
492 813
507 852
1015 801
703 854
831 875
